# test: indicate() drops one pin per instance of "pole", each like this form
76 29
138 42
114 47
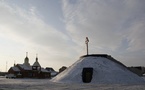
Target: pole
6 66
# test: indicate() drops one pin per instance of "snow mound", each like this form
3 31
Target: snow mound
106 70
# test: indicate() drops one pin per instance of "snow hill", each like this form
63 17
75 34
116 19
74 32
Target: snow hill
106 70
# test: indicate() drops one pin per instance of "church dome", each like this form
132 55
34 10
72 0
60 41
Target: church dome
26 60
36 63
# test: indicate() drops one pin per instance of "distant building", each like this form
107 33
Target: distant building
139 70
62 69
3 73
25 70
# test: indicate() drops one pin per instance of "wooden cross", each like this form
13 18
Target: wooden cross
87 40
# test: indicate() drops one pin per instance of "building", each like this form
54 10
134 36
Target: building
139 70
62 69
52 71
98 69
25 70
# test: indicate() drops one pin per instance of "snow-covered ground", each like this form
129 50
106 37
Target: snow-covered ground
46 84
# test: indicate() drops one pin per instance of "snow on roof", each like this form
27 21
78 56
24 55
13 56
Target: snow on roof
25 67
105 71
43 70
15 69
49 69
54 73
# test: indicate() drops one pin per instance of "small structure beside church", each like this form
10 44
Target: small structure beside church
52 71
62 69
26 70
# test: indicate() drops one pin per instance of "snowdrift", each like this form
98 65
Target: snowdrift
104 70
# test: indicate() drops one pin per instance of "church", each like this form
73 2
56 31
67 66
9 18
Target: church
26 70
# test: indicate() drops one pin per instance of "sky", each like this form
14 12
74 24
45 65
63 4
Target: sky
56 31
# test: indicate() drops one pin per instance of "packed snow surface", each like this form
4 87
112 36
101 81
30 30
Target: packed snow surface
45 84
105 71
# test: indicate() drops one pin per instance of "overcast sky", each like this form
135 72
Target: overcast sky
56 31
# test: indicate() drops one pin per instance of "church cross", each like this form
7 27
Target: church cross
87 40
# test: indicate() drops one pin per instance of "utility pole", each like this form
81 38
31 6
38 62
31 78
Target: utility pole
14 63
87 40
6 66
